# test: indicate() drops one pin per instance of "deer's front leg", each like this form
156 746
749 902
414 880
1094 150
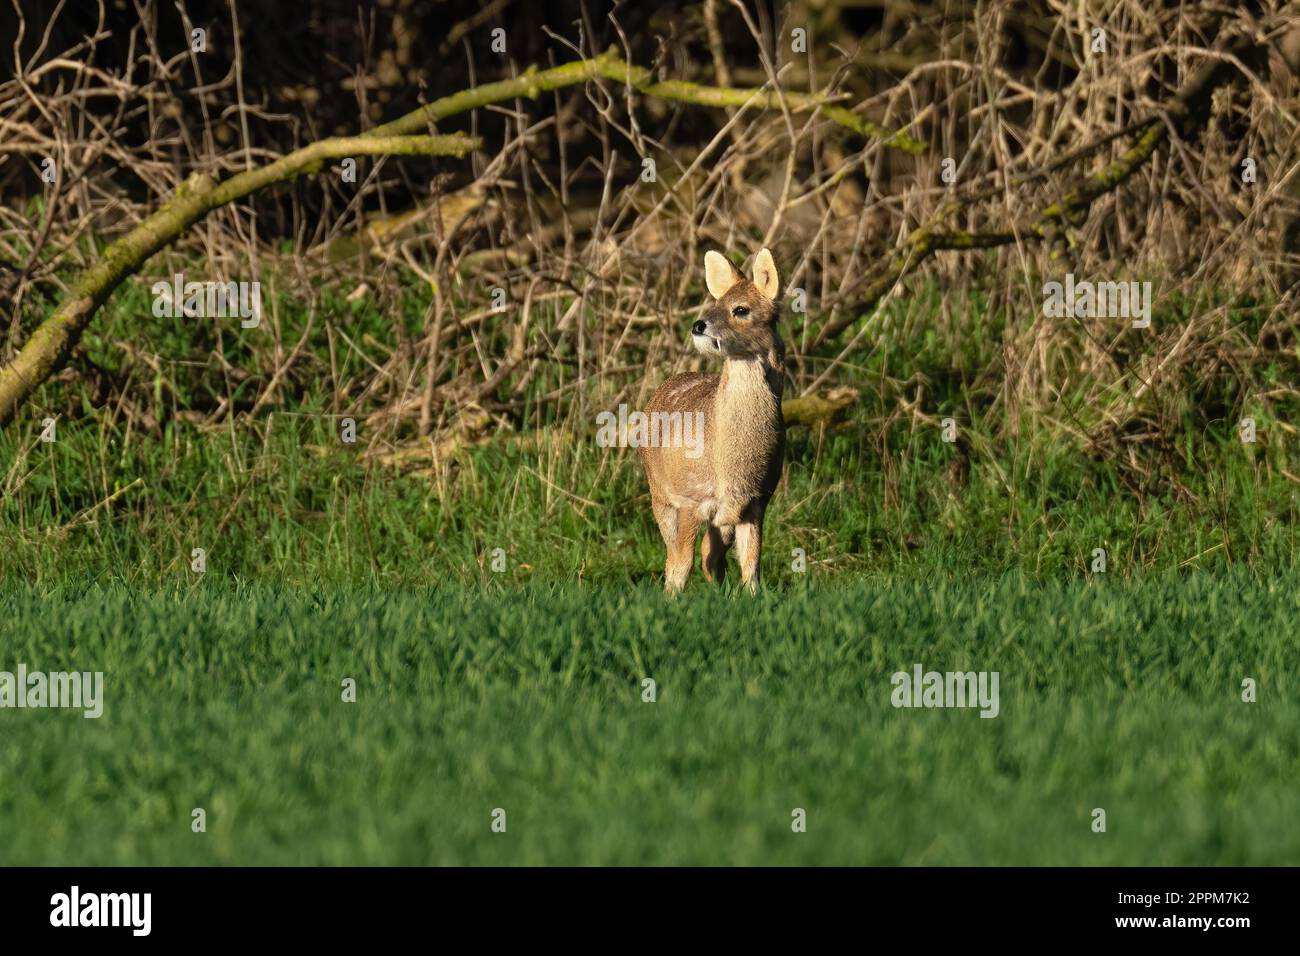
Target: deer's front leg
749 545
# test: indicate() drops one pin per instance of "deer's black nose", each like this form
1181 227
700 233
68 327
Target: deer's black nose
698 328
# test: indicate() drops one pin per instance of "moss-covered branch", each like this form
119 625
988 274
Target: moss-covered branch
610 66
818 411
53 340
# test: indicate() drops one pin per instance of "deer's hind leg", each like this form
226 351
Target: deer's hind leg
678 527
749 548
713 553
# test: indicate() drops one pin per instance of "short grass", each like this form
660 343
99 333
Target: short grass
1116 694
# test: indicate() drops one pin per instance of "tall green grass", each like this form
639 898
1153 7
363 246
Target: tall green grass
288 502
278 497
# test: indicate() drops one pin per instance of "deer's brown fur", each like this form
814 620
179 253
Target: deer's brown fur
728 487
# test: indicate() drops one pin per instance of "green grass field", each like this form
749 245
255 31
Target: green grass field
1123 695
363 576
522 689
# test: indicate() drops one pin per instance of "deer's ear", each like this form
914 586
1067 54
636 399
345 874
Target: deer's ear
719 274
765 277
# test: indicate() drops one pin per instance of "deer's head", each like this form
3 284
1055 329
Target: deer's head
742 322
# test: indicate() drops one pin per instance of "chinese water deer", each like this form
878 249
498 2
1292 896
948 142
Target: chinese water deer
728 486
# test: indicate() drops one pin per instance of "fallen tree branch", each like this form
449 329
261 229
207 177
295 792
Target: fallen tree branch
54 339
817 411
610 66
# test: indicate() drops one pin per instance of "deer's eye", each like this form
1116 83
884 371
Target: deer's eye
740 312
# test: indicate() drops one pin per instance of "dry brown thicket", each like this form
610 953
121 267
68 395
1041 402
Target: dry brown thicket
602 270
